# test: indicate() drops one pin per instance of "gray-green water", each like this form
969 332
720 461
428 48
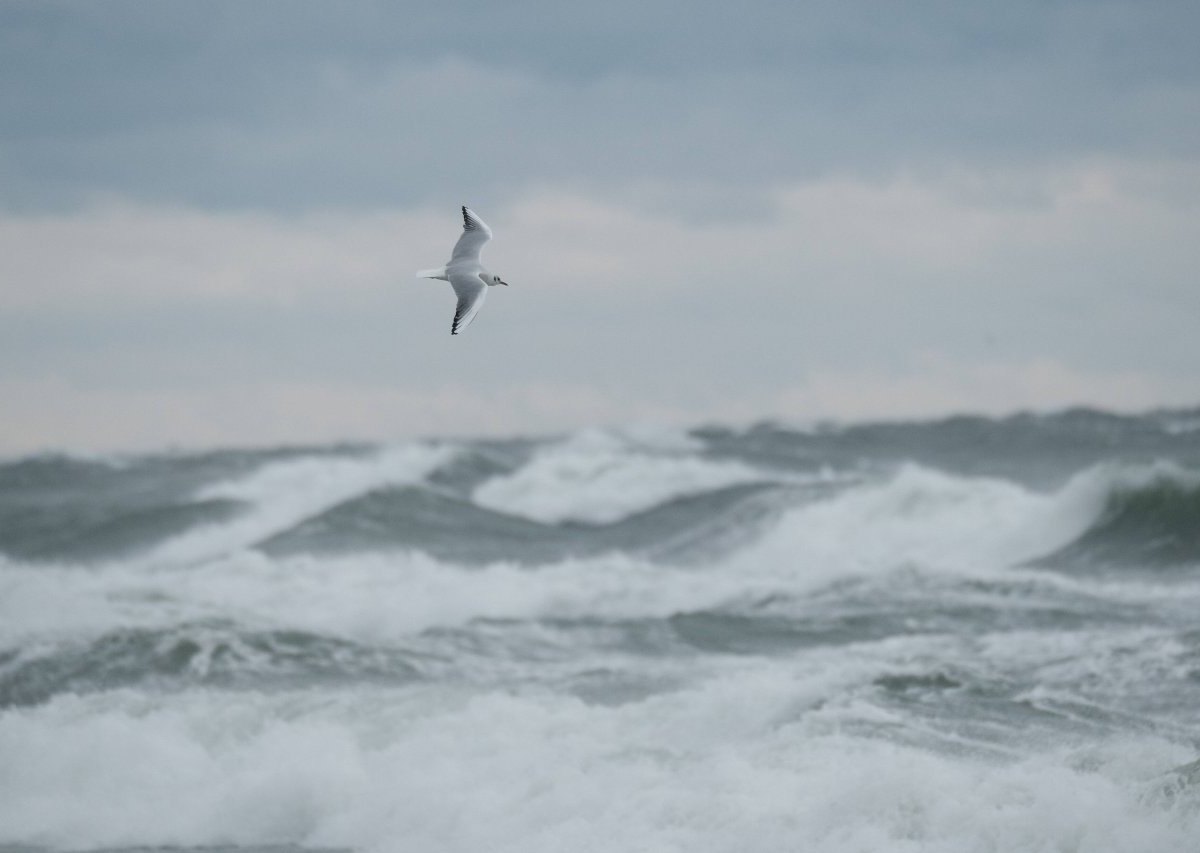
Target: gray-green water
967 634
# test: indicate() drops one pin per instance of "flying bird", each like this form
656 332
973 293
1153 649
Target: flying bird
464 272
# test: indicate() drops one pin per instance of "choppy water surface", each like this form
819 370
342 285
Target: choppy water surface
959 635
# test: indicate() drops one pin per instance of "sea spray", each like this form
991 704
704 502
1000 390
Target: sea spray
968 634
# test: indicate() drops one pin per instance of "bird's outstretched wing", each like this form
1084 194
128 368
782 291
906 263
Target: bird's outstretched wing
475 234
470 290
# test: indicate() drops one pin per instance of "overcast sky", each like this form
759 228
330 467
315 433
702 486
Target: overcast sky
211 212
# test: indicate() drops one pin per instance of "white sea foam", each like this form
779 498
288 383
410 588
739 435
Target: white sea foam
282 494
1111 477
496 751
369 597
920 518
601 476
1181 425
928 519
748 759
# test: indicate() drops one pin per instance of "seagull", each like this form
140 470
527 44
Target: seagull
464 272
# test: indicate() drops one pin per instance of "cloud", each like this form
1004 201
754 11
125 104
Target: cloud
292 106
211 214
142 256
916 229
846 298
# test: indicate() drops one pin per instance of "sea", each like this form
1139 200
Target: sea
962 634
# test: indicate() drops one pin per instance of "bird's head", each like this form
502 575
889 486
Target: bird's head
496 280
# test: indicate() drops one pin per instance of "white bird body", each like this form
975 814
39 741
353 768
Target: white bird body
465 273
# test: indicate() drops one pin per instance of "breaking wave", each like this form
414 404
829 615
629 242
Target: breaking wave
599 477
197 654
955 635
1149 518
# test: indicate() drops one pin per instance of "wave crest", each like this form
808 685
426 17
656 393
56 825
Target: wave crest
599 477
216 654
1149 516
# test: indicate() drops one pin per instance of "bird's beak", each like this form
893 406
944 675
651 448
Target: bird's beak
505 283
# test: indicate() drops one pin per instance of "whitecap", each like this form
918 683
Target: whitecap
600 477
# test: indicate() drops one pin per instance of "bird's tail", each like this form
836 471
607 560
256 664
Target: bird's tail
436 272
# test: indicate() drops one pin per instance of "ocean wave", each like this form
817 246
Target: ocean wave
1039 450
73 534
811 531
370 598
282 494
215 654
454 528
64 508
599 477
738 545
369 617
858 649
751 759
399 560
904 602
186 508
919 517
1149 517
